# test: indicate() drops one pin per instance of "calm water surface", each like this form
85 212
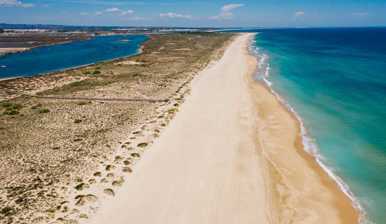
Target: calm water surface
63 56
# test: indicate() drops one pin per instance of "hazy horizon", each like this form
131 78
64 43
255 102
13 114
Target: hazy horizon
216 13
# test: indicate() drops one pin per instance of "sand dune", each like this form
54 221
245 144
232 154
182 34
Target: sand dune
204 167
231 155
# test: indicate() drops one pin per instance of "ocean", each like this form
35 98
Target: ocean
63 56
335 80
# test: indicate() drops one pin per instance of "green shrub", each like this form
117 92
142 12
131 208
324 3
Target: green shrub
44 111
96 72
11 106
6 104
142 145
11 112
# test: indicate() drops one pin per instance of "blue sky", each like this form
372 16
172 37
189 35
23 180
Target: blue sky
246 13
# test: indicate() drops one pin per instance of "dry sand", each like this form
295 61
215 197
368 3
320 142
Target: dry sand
231 155
204 167
12 50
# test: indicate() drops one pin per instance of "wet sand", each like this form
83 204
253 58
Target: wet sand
232 154
300 190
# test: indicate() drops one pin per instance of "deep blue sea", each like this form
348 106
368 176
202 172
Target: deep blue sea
335 80
58 57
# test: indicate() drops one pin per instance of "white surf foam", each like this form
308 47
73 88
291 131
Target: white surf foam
309 144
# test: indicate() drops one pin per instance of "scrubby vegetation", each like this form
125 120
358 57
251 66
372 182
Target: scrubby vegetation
53 148
11 108
43 110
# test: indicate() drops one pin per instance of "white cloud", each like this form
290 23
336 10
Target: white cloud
230 7
115 10
127 12
15 3
226 11
172 15
112 10
299 13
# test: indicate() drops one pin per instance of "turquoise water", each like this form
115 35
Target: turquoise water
58 57
335 79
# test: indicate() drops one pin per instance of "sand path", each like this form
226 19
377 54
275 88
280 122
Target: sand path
205 167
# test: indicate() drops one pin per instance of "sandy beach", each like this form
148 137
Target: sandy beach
232 154
218 148
301 191
12 50
204 167
66 137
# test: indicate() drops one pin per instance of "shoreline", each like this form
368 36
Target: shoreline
73 68
6 51
350 210
213 176
307 144
63 74
311 150
82 151
234 153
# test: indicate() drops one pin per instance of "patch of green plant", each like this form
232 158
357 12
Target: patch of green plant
76 86
43 110
142 145
11 112
11 106
96 72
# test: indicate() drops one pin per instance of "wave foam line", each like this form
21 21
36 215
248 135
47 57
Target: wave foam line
308 143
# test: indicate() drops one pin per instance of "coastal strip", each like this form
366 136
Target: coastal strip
4 51
205 167
233 152
302 191
223 149
61 158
